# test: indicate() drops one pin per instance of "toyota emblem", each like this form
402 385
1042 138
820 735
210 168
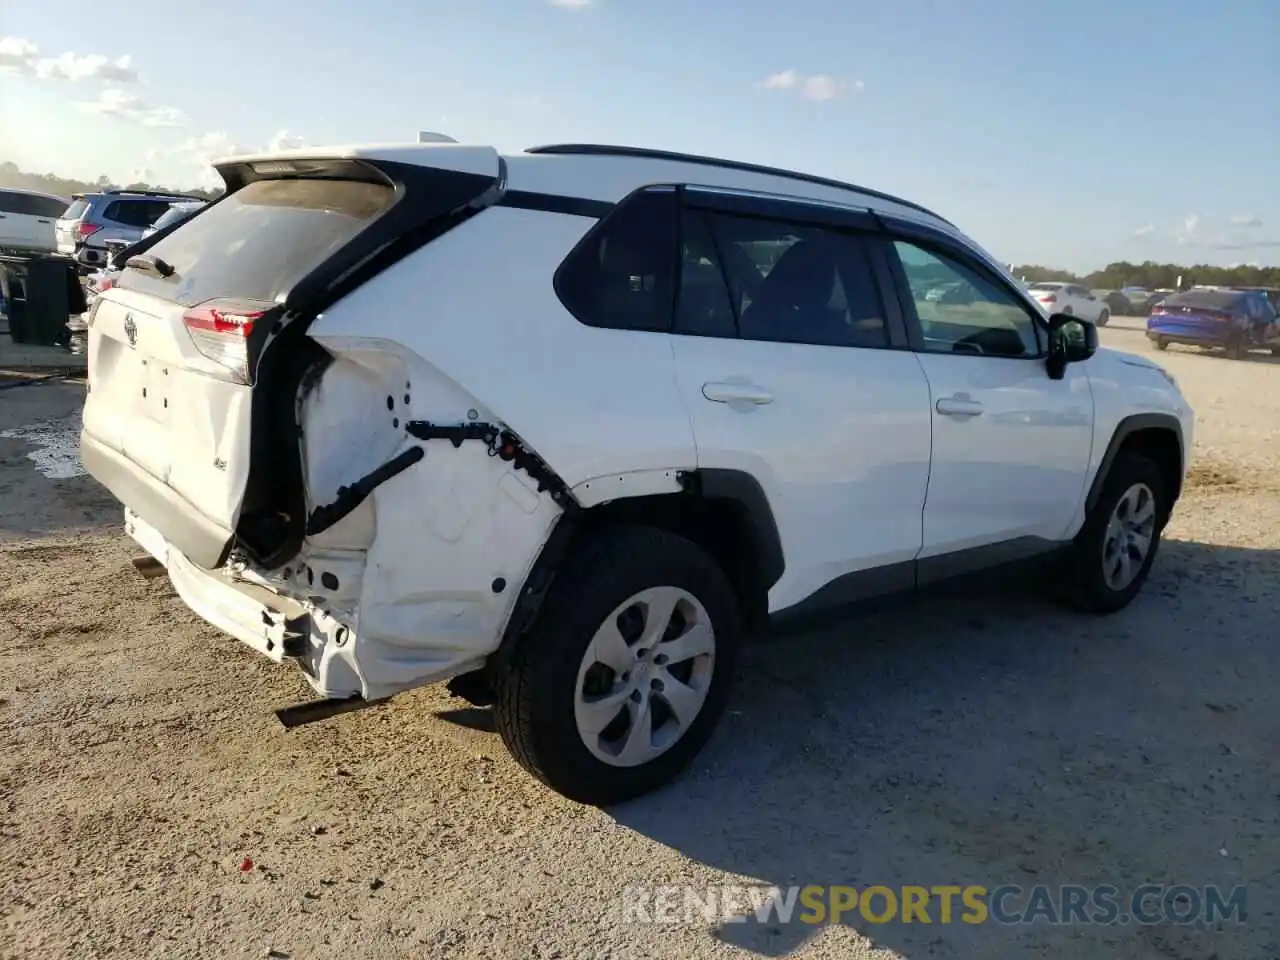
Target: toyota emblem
131 330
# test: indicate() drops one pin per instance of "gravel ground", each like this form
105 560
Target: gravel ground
967 740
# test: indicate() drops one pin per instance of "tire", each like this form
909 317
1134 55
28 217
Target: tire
1237 349
1103 317
1275 351
540 690
1162 344
1090 587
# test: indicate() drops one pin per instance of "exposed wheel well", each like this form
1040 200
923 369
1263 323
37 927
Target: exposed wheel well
719 525
1163 448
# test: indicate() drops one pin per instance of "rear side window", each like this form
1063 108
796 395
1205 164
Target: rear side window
622 274
29 204
788 283
259 241
135 213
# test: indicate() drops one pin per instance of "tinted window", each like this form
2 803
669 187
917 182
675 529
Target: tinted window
622 274
1225 300
135 213
962 310
29 204
789 283
176 212
260 240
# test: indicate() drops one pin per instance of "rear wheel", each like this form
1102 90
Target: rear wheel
1275 351
1236 348
1113 552
1161 343
623 677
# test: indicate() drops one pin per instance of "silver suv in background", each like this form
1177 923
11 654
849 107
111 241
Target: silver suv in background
26 220
94 218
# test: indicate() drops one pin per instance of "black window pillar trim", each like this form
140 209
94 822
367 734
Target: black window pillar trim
715 483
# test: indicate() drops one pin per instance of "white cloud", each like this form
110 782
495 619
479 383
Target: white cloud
70 66
1246 220
285 140
817 87
17 55
196 155
1145 230
783 80
573 4
22 56
114 102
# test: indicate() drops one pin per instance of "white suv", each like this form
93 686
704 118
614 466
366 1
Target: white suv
564 425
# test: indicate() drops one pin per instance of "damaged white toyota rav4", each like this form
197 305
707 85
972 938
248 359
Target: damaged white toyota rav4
562 426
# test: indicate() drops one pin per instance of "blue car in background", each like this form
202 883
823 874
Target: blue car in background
1234 320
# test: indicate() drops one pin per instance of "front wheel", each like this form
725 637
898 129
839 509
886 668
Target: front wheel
1112 555
625 673
1237 349
1103 317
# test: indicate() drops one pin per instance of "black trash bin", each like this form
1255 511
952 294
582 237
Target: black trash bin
42 298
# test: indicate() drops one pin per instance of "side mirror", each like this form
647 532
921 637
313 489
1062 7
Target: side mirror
1071 340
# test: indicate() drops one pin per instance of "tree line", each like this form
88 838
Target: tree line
13 177
1155 276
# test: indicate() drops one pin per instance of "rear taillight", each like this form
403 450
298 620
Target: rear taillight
1157 310
1049 299
220 330
86 230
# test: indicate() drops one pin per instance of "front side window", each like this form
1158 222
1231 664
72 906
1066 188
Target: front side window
622 275
962 310
778 281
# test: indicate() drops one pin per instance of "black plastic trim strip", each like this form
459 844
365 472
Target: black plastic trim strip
504 445
350 497
1125 429
796 210
721 484
606 150
555 203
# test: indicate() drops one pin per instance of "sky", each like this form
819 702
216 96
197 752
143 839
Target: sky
1069 134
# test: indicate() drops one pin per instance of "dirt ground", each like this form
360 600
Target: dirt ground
973 740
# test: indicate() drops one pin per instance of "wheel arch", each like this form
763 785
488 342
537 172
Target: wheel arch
1158 436
726 512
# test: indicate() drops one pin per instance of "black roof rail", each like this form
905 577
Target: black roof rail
607 150
167 194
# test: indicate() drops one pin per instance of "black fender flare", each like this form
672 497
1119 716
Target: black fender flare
762 528
1125 429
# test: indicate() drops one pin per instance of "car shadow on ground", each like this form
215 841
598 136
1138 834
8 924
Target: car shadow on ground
1000 739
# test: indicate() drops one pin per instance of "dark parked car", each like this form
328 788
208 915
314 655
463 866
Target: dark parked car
1235 320
1117 303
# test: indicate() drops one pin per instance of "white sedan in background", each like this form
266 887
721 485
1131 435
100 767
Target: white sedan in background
1070 298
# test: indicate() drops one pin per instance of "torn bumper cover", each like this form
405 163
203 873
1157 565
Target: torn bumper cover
456 529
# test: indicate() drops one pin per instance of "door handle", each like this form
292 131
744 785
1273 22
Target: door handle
736 393
961 405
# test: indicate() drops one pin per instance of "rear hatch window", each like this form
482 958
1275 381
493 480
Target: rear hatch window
259 241
1220 300
76 210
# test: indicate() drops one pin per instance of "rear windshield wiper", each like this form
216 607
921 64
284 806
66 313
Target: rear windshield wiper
155 265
